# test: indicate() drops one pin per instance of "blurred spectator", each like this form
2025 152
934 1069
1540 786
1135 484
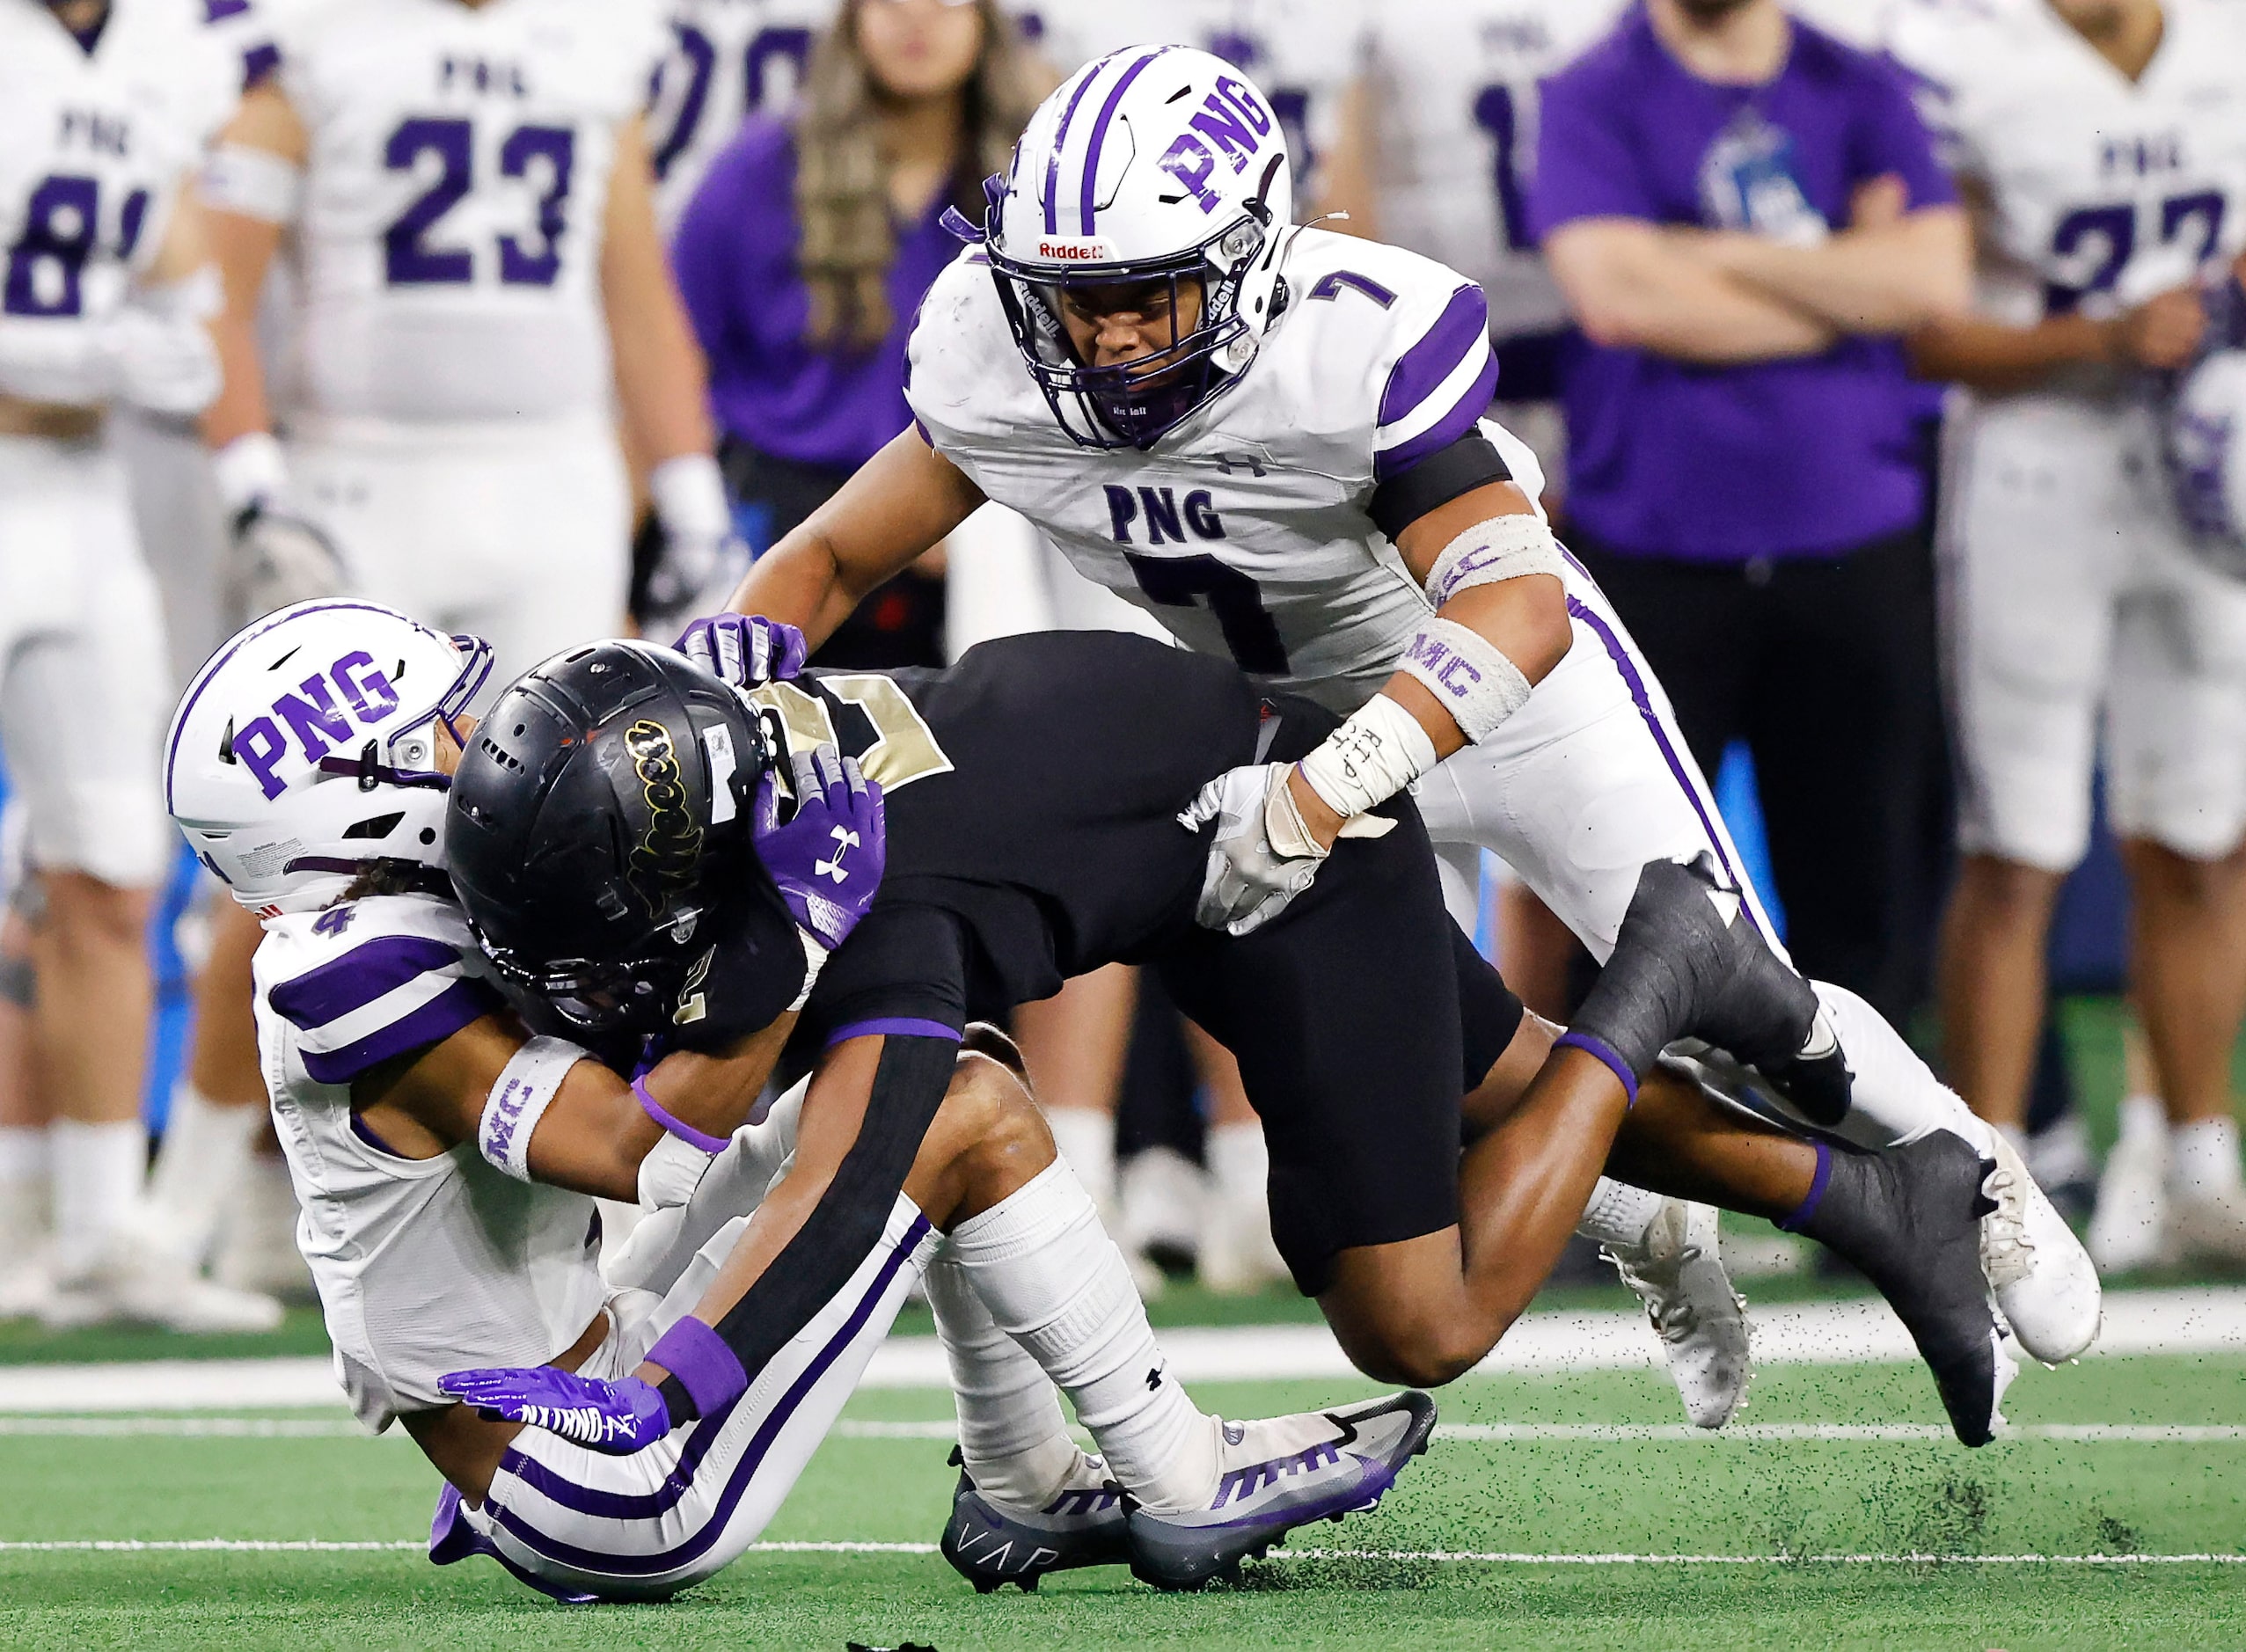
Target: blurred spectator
1743 213
804 255
2112 184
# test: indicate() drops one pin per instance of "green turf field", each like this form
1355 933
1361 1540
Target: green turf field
1545 1466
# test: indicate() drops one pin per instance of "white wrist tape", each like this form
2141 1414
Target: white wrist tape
518 1100
1468 674
689 496
1376 754
249 469
671 1171
253 183
1503 548
815 958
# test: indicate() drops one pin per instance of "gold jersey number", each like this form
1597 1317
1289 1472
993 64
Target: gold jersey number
886 735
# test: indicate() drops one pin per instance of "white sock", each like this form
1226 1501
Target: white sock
25 1157
2143 1119
2015 1134
1087 1139
1013 1439
2204 1157
1055 1282
1239 1162
199 1167
1896 1099
99 1169
1618 1214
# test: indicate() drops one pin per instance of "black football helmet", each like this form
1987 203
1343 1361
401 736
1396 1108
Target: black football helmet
598 834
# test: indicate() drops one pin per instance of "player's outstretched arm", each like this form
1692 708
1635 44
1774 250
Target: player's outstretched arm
900 504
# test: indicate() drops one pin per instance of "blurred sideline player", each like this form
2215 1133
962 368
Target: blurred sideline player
1304 53
1292 469
104 110
2104 143
727 59
1438 153
466 191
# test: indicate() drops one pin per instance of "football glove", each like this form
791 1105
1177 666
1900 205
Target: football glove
1250 880
828 858
618 1418
744 649
700 557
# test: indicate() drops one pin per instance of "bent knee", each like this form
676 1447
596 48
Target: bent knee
2008 888
84 911
1419 1353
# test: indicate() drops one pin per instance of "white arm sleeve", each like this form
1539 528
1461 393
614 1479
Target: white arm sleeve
518 1100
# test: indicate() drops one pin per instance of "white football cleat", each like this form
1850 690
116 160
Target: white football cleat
2129 1228
2044 1282
1676 1271
2207 1222
1275 1475
144 1285
26 1285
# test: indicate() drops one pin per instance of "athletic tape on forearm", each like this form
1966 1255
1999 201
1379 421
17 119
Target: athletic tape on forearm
670 1173
253 183
1376 754
1503 548
518 1100
688 492
248 469
1468 674
706 1367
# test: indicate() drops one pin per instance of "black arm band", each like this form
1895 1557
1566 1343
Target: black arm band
1443 475
812 1268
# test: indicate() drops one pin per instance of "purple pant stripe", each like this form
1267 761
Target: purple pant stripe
1631 676
613 1505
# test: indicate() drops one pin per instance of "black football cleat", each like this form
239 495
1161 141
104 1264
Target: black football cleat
1910 1219
989 1544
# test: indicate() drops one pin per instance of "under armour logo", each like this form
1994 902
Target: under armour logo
1228 461
846 840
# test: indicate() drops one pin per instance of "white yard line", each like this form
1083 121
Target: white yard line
1439 1557
2211 1321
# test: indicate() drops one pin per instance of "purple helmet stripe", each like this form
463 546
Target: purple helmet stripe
444 1015
1464 415
1419 372
1053 160
1100 134
331 990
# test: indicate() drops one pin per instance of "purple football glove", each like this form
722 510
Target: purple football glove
618 1418
828 859
744 649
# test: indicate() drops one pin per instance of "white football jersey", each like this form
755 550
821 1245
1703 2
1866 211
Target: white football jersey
1244 531
424 1265
450 238
1302 54
728 59
1456 103
2104 192
94 146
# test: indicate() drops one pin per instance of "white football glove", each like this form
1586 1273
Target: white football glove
701 557
1248 882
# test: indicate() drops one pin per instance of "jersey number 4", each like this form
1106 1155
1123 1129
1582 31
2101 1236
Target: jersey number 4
547 153
61 230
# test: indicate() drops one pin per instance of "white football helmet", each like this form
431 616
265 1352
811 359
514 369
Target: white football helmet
2206 457
1152 162
305 749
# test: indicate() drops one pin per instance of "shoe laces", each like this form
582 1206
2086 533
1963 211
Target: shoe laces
2008 1254
1657 1281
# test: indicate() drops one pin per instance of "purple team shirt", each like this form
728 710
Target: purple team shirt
1722 464
735 257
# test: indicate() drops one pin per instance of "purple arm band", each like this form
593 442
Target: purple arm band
1807 1208
687 1133
706 1367
892 1027
1598 1050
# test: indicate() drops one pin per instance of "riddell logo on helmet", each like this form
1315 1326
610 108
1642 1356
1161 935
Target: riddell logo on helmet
1076 251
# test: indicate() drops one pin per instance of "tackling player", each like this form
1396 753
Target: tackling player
1271 437
2104 144
104 109
446 1159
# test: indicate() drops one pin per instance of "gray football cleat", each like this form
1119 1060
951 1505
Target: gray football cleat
989 1544
1277 1474
1676 1271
